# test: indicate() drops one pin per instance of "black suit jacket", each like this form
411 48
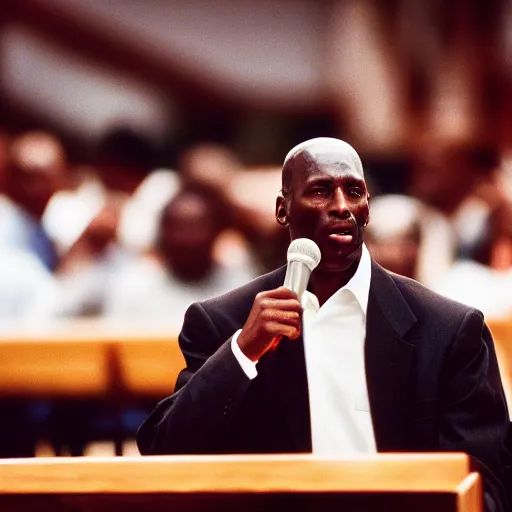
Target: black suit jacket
431 369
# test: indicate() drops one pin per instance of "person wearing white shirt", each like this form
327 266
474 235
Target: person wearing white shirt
370 361
335 371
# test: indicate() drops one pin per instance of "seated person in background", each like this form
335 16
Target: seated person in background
123 161
91 261
155 292
394 236
485 282
449 174
185 268
218 168
29 295
368 361
397 240
114 219
119 185
36 169
410 238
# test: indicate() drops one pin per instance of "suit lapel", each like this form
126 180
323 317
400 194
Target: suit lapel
388 359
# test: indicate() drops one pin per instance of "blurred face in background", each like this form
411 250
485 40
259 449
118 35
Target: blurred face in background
393 237
188 231
398 254
445 173
36 169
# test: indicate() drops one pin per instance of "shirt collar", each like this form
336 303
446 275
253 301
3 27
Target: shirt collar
359 285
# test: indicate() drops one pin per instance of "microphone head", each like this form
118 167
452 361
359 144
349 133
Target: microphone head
305 251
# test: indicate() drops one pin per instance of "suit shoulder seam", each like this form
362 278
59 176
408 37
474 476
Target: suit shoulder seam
203 309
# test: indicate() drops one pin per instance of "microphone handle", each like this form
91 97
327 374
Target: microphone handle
296 280
297 277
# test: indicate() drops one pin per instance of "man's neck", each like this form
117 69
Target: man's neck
324 284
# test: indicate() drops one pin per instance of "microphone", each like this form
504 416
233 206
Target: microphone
303 257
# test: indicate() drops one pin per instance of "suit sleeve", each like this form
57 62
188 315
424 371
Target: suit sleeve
196 418
474 416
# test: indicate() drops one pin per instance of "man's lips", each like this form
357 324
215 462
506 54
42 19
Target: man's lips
342 234
342 239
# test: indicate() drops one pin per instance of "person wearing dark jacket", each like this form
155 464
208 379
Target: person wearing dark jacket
368 361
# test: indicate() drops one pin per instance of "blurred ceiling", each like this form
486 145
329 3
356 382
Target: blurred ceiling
87 64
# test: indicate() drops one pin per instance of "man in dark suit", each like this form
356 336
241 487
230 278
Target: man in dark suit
368 360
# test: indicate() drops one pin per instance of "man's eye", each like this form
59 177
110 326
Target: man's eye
355 192
319 191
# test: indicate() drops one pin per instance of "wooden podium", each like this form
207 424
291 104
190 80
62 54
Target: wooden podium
389 482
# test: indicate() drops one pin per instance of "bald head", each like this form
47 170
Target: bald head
325 198
325 149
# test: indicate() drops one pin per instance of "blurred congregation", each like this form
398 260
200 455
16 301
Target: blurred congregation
141 146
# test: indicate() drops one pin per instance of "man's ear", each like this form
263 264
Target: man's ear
368 218
281 215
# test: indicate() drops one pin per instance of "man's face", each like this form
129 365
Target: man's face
187 235
328 203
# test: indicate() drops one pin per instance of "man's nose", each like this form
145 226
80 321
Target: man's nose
339 205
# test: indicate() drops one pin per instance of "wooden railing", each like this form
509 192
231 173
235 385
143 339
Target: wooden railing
84 359
120 365
96 359
398 482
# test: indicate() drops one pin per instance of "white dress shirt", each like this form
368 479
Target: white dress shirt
334 336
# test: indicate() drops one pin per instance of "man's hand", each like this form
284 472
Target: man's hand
274 314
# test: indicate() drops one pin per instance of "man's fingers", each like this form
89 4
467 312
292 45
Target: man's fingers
281 304
285 317
279 329
278 293
275 314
